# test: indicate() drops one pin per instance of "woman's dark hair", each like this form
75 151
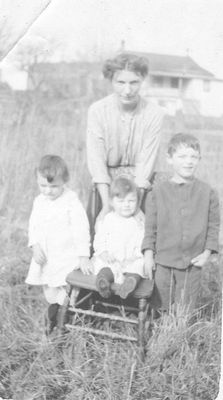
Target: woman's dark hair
126 61
53 167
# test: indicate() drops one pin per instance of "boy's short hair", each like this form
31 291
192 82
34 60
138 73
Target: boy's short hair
183 139
126 61
53 167
121 186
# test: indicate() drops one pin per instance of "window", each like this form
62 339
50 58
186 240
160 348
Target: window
157 81
174 83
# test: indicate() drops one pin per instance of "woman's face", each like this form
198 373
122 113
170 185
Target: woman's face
126 85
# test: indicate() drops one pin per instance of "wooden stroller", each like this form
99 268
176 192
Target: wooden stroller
83 302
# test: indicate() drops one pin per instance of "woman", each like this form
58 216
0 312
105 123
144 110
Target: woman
124 129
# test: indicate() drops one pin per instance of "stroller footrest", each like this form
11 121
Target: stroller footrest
103 315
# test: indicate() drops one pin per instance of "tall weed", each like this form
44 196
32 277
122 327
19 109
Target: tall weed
182 359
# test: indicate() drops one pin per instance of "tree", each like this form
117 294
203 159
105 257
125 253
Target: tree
29 53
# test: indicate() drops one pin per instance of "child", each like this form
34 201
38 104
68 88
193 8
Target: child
58 234
118 239
182 226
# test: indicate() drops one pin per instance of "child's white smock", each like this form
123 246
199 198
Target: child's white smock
61 228
122 238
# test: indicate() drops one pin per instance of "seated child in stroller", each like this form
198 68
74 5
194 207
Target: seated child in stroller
117 244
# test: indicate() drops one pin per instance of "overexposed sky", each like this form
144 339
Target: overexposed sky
170 26
96 27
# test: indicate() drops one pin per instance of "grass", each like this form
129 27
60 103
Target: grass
182 360
33 125
183 353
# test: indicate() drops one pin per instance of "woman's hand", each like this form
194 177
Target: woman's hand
38 254
85 265
149 264
201 259
103 190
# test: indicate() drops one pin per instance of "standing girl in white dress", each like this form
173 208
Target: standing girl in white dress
117 244
58 234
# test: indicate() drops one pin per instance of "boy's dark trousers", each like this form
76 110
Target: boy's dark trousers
176 286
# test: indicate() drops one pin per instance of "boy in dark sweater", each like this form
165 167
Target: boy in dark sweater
182 226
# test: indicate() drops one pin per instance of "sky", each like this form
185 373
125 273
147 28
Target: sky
95 28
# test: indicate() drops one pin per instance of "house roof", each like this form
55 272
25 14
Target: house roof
177 66
159 65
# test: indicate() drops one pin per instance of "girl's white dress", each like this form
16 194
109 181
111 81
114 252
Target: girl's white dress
61 228
122 238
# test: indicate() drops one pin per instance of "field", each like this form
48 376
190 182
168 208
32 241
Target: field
183 353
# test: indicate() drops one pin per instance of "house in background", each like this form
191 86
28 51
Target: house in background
174 82
179 83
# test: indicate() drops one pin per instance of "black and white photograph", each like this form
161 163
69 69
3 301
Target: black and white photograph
111 199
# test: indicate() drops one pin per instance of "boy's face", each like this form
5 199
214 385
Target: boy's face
184 162
51 190
125 206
